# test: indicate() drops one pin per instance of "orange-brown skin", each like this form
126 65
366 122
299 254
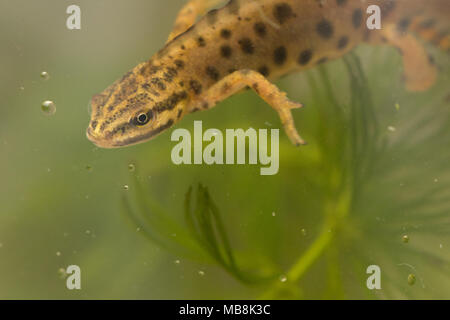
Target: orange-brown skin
252 42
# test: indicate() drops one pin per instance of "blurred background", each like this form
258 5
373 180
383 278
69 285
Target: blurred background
371 188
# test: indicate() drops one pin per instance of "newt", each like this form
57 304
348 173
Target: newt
250 44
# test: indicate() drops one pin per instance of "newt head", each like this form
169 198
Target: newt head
143 103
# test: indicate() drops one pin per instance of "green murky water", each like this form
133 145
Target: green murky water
371 188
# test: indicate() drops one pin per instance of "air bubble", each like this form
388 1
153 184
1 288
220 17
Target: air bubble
303 232
45 75
392 129
405 238
126 187
201 273
283 278
131 167
48 107
62 273
411 279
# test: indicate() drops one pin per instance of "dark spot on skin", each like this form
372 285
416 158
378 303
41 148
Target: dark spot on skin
232 70
119 129
323 60
170 102
179 113
136 102
183 47
341 2
260 29
325 29
357 18
158 82
179 64
147 87
246 45
212 16
282 12
212 73
264 70
195 110
201 42
431 59
205 105
226 51
170 74
343 42
195 86
305 57
94 124
225 33
280 55
403 25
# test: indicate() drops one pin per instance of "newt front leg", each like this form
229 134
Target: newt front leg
269 92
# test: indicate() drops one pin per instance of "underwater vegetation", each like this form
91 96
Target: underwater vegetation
372 194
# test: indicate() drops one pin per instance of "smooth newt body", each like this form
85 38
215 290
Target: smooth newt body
249 43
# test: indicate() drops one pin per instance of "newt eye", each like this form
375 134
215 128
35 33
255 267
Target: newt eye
143 118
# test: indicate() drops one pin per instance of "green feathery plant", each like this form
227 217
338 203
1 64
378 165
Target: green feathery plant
367 184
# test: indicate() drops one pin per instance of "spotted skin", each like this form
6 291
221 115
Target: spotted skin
250 43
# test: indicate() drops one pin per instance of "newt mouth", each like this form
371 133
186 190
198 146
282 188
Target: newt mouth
99 141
